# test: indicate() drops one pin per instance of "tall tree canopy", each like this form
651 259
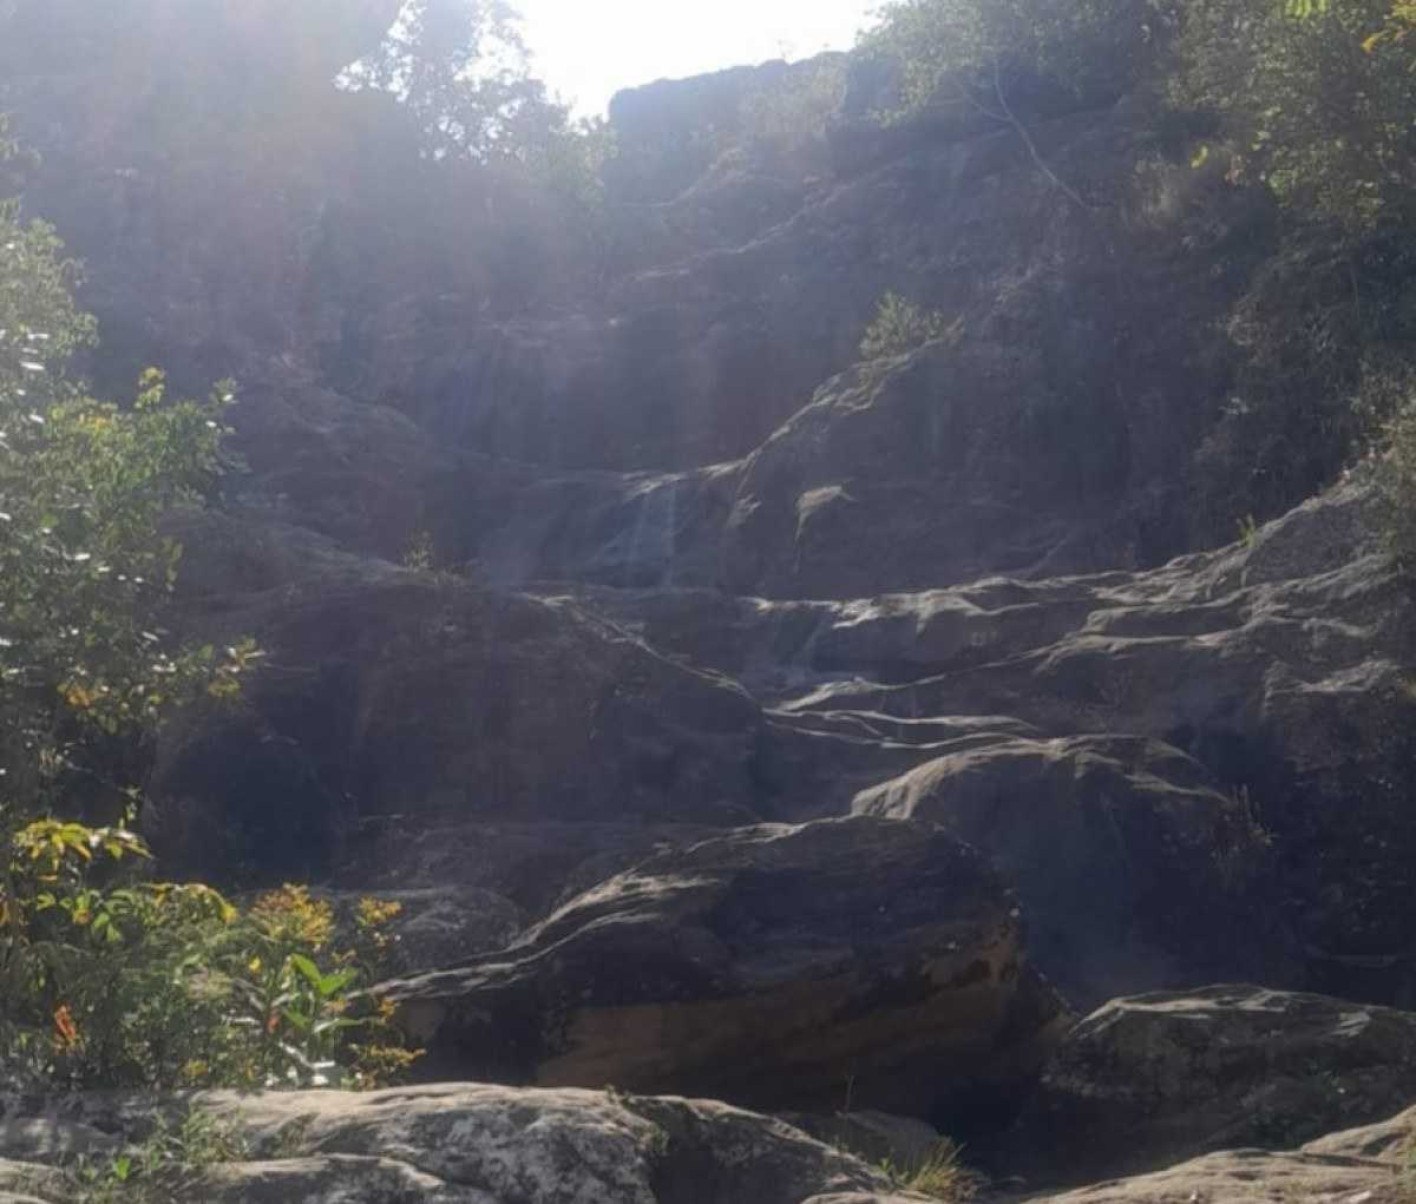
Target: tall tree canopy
462 69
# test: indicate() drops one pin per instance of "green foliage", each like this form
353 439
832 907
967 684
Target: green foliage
1323 337
167 1167
110 980
1396 477
950 51
461 68
901 326
84 572
1317 102
1396 31
940 1174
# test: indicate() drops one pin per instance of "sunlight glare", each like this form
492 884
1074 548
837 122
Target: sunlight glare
586 51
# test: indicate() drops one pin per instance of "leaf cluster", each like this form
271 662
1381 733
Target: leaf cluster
1316 102
84 570
901 326
113 980
1089 49
107 977
462 70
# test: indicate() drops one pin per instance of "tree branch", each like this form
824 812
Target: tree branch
1008 117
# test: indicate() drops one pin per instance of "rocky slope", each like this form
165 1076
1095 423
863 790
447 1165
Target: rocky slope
768 725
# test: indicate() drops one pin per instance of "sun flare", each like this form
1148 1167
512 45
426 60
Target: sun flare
587 52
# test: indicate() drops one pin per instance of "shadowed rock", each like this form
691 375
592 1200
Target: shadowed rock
1152 1079
1132 867
863 960
393 693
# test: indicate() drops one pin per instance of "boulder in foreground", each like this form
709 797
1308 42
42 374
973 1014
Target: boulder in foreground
862 963
469 1144
1147 1081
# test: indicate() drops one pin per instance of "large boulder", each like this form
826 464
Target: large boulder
862 962
1244 1177
465 1144
1153 1079
1370 1165
1135 870
1362 1166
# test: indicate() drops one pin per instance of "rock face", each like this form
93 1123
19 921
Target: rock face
463 1144
1152 1079
1251 1175
1218 745
739 684
1245 705
469 1144
1123 847
396 692
844 963
1371 1165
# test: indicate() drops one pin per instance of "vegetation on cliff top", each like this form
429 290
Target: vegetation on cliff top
1310 106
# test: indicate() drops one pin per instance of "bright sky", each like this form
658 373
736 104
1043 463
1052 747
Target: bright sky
587 50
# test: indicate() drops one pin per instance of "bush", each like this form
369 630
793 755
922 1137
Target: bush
112 981
901 326
168 1166
950 51
1316 102
108 979
940 1175
1396 477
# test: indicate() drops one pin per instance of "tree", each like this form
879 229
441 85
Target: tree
462 69
972 55
84 662
106 977
1317 101
953 51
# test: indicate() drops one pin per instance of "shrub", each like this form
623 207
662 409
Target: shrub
108 979
168 1166
940 1174
113 981
901 326
1396 479
950 51
1316 100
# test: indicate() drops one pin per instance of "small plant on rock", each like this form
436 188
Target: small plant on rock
900 326
940 1174
167 1167
1396 478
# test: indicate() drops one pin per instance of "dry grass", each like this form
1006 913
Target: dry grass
940 1174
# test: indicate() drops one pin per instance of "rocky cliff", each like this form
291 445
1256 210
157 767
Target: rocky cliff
755 722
